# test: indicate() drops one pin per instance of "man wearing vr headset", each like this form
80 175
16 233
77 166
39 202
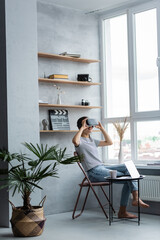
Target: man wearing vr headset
87 146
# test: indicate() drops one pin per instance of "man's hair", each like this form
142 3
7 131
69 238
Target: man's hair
79 122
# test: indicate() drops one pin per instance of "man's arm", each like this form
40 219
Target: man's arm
76 138
107 140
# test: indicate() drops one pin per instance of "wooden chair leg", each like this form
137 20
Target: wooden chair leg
99 202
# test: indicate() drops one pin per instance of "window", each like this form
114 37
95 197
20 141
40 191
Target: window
146 54
117 66
131 82
148 140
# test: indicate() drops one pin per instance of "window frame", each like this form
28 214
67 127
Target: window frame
134 115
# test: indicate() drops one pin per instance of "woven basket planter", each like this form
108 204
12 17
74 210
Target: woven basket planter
27 223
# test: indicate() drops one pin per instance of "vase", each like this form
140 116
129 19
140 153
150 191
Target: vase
28 223
58 99
120 154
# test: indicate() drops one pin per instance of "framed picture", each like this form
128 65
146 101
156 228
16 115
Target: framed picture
59 119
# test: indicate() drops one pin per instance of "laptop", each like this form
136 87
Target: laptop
132 169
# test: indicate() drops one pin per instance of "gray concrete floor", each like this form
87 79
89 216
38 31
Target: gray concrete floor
92 225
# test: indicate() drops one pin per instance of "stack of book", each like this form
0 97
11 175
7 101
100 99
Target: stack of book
58 76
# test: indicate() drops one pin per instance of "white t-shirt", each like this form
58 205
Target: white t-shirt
88 148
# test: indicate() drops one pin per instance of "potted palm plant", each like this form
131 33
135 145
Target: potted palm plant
26 175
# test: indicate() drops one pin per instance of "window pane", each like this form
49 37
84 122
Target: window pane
113 150
146 53
117 92
148 139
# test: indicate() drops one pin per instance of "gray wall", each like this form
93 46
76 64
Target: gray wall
4 208
74 32
60 30
22 74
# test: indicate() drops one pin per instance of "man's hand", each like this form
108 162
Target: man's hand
84 124
99 126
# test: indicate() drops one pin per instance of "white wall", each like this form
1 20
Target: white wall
59 30
22 74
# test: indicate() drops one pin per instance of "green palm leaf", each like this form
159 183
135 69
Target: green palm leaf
29 172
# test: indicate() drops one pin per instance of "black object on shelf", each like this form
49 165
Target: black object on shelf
85 102
83 77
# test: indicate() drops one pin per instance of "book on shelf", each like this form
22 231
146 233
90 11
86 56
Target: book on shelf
61 76
59 119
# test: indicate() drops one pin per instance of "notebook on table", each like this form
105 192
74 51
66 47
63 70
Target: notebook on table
131 169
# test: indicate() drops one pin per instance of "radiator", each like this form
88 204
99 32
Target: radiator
150 188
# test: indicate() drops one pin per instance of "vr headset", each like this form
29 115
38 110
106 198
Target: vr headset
91 122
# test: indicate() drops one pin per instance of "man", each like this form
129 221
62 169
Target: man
88 147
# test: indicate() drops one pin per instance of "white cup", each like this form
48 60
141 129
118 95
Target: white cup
113 173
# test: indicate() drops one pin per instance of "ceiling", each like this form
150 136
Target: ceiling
88 6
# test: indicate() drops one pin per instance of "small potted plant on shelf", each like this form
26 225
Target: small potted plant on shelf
26 175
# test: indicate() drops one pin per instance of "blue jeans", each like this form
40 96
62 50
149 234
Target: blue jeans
98 173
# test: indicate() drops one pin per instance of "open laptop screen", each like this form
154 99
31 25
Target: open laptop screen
132 169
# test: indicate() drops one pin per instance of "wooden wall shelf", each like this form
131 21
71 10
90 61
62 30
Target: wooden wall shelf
47 80
67 106
62 131
66 81
66 58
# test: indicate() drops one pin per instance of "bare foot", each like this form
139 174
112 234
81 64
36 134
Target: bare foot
141 203
126 215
